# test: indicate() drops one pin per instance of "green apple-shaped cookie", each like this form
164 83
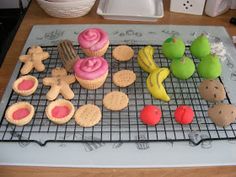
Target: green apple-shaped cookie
209 67
182 68
173 48
200 47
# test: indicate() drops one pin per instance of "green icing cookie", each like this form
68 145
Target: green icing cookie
182 68
209 67
200 47
173 48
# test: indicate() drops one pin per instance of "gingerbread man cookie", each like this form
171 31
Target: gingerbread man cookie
33 59
59 83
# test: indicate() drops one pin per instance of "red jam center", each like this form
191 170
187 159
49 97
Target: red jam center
26 84
60 111
20 113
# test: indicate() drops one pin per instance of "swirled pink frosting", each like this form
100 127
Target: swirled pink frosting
90 68
93 39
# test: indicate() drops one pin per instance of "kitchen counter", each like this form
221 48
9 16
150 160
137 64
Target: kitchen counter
36 16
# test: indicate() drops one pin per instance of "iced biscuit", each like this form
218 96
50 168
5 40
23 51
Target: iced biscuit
115 100
123 53
88 115
124 78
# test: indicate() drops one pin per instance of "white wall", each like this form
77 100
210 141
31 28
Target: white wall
12 3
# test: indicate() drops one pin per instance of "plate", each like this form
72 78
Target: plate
134 10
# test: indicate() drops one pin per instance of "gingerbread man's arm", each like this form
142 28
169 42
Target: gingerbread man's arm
45 55
69 79
24 58
27 67
48 81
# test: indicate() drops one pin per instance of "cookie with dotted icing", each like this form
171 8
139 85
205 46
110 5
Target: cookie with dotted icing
123 53
115 101
88 115
212 90
124 78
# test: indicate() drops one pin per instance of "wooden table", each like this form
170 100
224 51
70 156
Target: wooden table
35 15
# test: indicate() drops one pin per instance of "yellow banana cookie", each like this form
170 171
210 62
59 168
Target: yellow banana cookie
155 86
145 59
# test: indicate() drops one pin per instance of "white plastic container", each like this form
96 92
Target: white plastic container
195 7
135 10
233 4
217 7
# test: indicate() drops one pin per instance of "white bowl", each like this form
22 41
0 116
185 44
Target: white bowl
71 9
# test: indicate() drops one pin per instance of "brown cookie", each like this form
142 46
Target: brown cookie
222 114
123 53
124 78
212 90
88 115
67 54
20 113
115 100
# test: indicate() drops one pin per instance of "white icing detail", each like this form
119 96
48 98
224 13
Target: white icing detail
219 49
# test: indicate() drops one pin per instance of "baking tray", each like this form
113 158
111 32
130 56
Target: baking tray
123 126
136 10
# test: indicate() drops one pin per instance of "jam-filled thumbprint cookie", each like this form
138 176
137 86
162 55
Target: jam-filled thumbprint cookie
25 85
20 113
60 111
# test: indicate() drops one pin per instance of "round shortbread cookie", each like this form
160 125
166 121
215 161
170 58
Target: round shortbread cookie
115 100
123 53
88 115
124 78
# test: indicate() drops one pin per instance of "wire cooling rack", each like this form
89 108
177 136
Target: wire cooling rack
123 126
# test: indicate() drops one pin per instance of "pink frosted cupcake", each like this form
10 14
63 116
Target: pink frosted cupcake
91 72
93 42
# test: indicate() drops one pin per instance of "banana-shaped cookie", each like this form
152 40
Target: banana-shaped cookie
154 83
145 59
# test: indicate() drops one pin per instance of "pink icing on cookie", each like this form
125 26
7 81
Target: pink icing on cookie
20 113
90 68
93 39
60 111
26 84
